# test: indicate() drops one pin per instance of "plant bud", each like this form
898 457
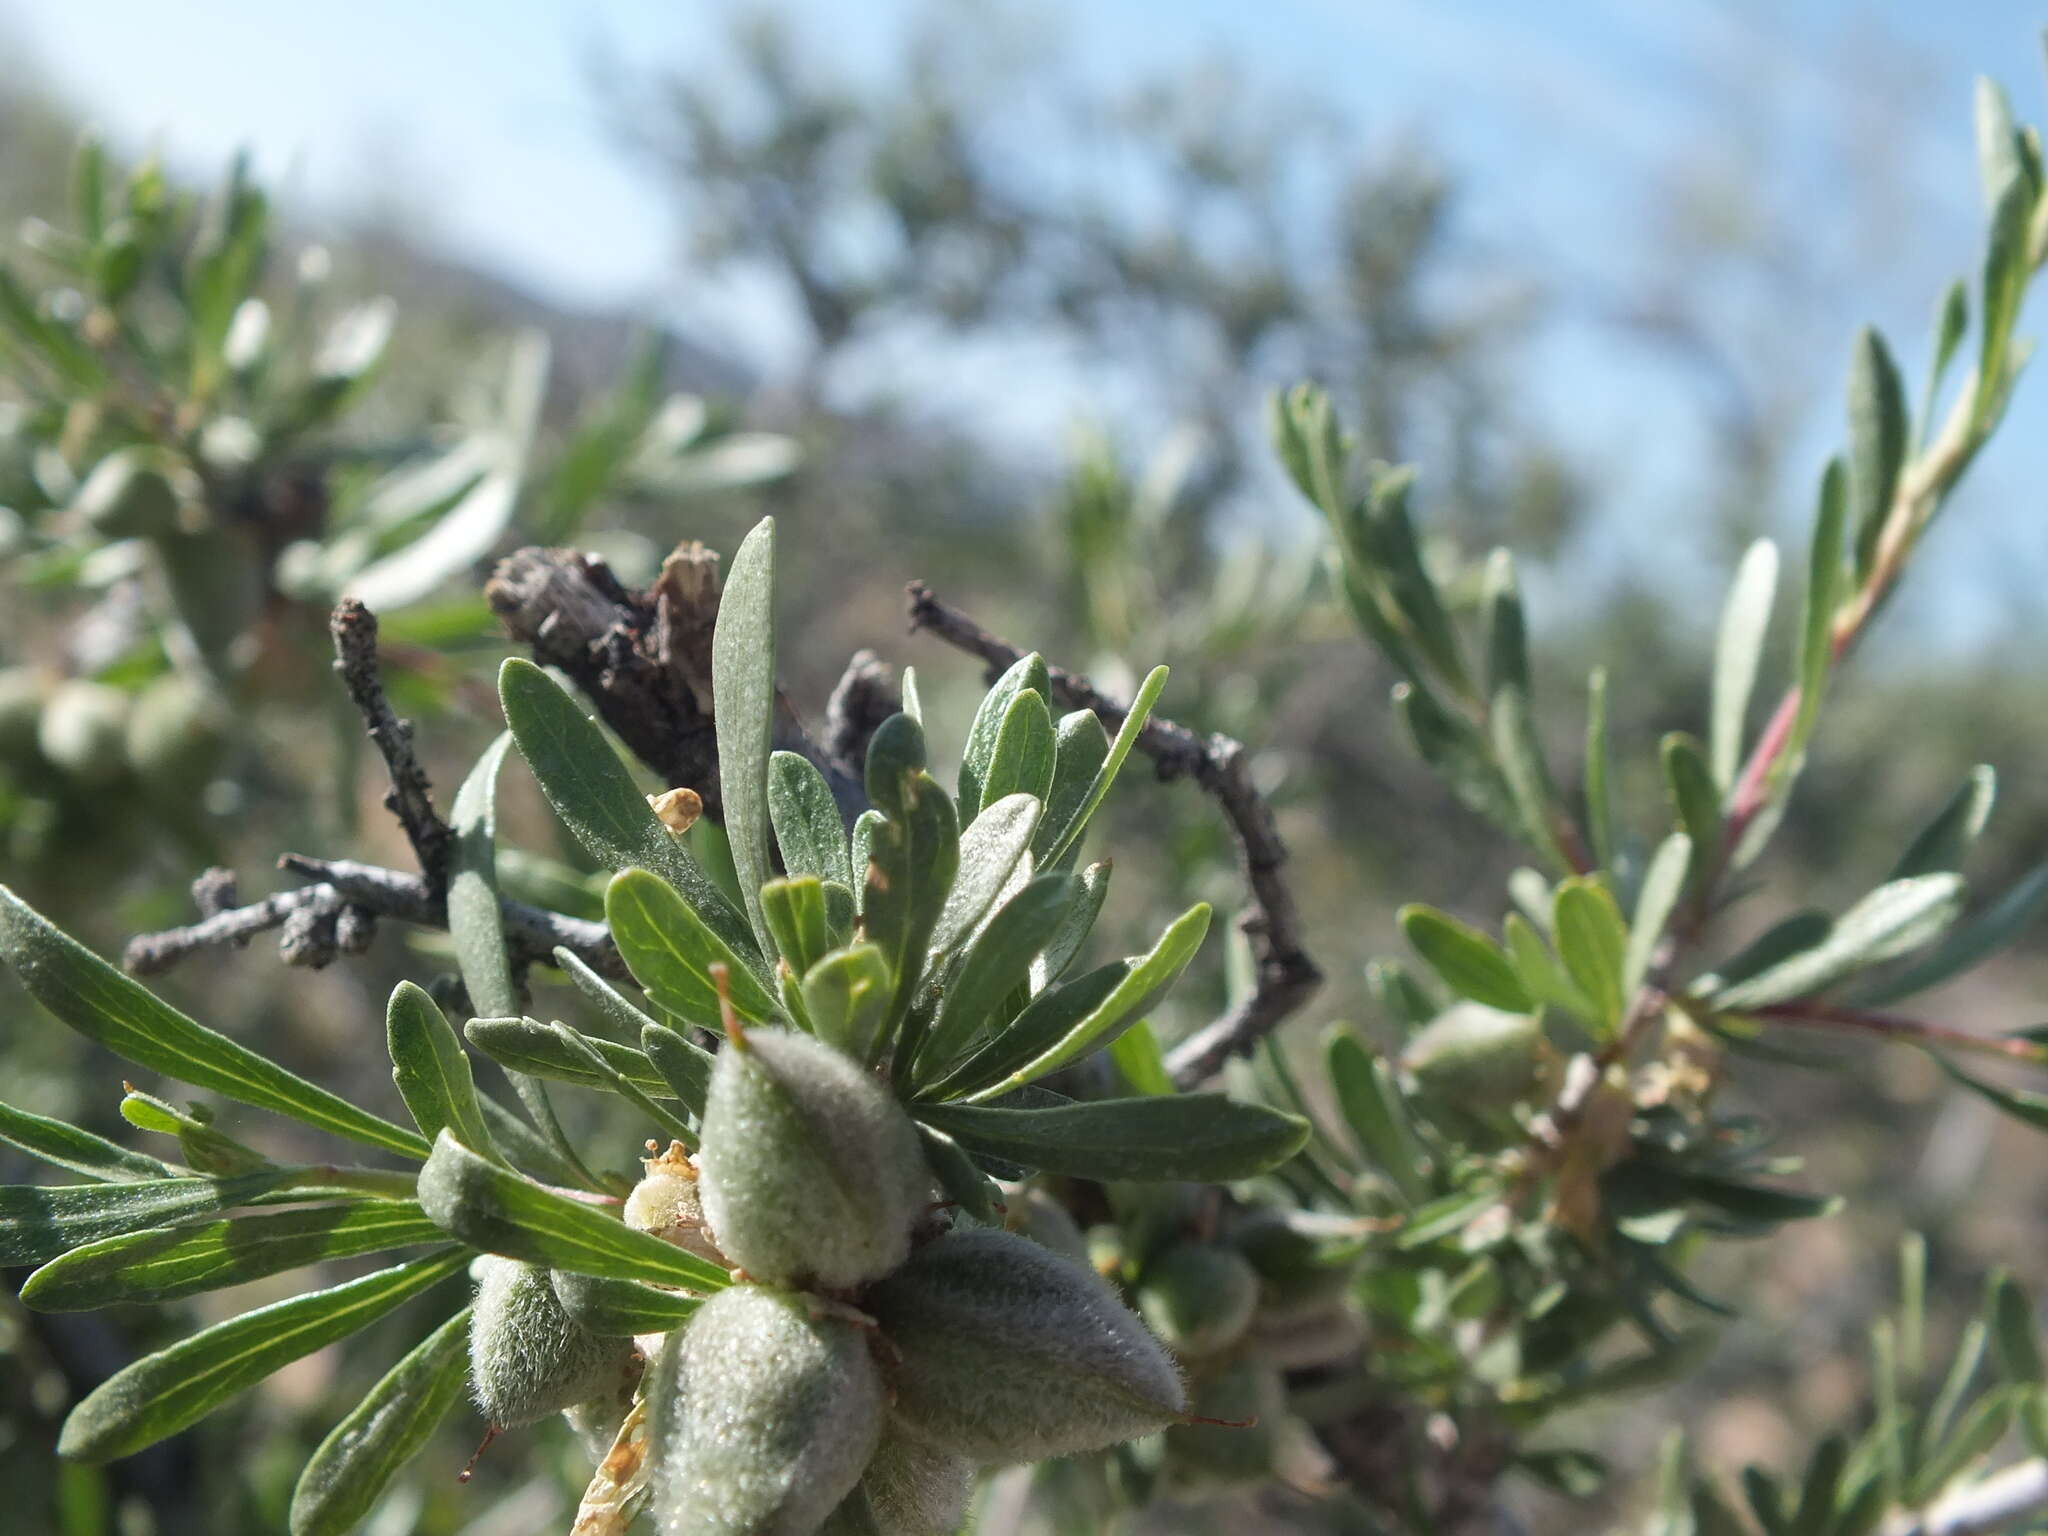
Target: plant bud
810 1173
1199 1297
767 1417
527 1359
1215 1457
1035 1214
82 730
128 496
909 1489
176 733
1475 1057
1001 1351
669 1203
22 692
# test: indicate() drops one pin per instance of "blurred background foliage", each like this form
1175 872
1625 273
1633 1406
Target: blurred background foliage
937 241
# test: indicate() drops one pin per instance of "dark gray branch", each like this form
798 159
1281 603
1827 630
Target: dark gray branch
1286 975
411 799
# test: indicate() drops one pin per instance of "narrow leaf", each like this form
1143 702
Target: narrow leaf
620 1308
1971 941
100 1003
685 1067
1126 737
1745 621
431 1069
1599 803
67 1146
39 1222
1878 428
1080 748
1592 940
996 964
1946 841
1470 963
808 830
671 950
1026 674
1373 1108
989 848
350 1470
528 1046
1663 884
743 703
1893 918
1025 754
165 1392
847 995
498 1211
475 922
1203 1137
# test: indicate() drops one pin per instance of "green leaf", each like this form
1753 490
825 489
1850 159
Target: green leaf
1998 155
1520 755
167 1263
2005 286
1663 884
1027 674
1878 426
847 995
496 1210
1203 1137
794 910
1695 798
1025 755
1066 942
2027 1108
808 830
167 1391
913 856
1970 942
670 950
1946 841
1892 919
1815 1514
596 798
351 1468
1458 754
896 755
990 847
1145 982
611 1004
743 703
1470 963
620 1308
100 1003
1080 748
37 1222
529 1046
1540 971
1745 621
996 964
66 1146
432 1071
1981 1429
1373 1108
474 921
206 1150
1098 788
1396 558
2014 1336
1052 1015
1139 1059
1951 323
1823 594
1599 804
611 1077
1507 631
1592 940
685 1067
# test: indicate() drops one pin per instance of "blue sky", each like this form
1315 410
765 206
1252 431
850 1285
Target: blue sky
1561 119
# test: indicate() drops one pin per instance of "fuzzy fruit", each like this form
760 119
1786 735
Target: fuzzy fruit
176 733
1476 1057
1199 1297
909 1489
128 496
810 1173
1002 1351
767 1417
527 1358
83 730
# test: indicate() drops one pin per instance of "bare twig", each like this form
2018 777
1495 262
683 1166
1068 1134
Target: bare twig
344 896
411 799
864 697
1286 975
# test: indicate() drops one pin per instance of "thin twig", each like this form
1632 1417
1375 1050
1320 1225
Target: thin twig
343 886
410 799
1285 973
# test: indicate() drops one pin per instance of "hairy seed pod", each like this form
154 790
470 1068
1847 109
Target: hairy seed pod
1036 1215
767 1416
128 496
810 1173
527 1359
1002 1351
1215 1457
83 730
176 734
1299 1269
669 1203
914 1489
1476 1057
1199 1297
22 693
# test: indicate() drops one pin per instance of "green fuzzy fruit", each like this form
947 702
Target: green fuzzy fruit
128 496
810 1173
1001 1351
909 1489
83 730
1199 1297
1038 1216
766 1417
22 694
1214 1457
527 1359
1476 1057
177 732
